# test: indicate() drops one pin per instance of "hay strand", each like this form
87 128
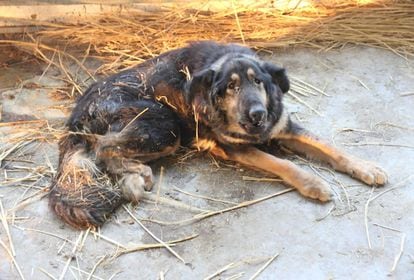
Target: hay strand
220 271
168 247
214 213
370 199
95 266
150 197
400 252
261 269
141 247
204 197
13 259
6 228
48 274
70 257
379 144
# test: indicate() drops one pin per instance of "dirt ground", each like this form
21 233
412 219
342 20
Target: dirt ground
369 113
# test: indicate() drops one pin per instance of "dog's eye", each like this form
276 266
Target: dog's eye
257 81
231 85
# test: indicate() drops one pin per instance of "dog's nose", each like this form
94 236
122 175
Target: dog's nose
257 115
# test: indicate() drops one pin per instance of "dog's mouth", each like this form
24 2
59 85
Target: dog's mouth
253 129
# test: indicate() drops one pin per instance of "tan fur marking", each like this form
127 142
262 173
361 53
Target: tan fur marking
313 147
250 73
280 125
205 144
263 95
235 77
219 152
233 140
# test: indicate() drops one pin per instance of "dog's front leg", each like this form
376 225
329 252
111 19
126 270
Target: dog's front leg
299 140
307 184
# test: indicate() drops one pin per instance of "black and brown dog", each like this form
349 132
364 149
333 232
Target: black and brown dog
220 98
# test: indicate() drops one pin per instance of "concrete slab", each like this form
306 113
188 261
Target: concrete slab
364 115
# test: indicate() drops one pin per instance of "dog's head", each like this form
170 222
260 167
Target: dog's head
241 97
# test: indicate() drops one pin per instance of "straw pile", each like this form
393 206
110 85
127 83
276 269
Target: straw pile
128 37
124 39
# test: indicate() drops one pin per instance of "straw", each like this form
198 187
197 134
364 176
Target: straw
127 38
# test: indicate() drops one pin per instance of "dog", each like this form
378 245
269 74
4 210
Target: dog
219 98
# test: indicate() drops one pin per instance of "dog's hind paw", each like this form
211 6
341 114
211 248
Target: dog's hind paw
134 185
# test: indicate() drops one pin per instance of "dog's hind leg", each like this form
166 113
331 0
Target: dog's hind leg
138 135
97 173
299 140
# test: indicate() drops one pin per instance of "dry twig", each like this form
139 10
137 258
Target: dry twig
6 228
95 266
204 197
75 248
13 259
396 186
398 256
221 270
214 213
254 276
153 235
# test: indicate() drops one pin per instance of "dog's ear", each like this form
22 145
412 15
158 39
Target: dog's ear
200 83
278 76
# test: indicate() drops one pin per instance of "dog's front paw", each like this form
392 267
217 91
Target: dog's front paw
368 173
315 188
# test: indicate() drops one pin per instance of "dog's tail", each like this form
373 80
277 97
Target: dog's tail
81 194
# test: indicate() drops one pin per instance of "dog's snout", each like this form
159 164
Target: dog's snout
257 115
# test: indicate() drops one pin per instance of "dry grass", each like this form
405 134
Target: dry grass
126 38
242 263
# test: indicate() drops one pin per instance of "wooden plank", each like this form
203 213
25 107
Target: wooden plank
21 18
59 11
15 16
